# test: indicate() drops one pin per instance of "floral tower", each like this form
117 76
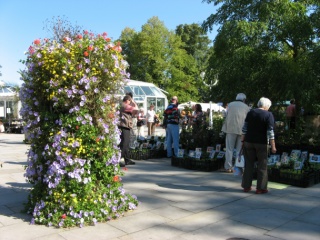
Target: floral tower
69 99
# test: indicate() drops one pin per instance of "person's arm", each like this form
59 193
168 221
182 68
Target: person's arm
273 146
270 133
130 109
244 131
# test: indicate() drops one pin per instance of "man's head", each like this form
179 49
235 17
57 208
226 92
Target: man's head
174 99
241 97
264 103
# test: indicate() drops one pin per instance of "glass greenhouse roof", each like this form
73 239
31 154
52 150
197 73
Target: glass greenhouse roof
142 89
5 90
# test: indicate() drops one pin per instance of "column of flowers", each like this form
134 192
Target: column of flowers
69 96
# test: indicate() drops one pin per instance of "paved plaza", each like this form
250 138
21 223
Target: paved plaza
175 203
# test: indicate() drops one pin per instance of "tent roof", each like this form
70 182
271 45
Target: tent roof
215 106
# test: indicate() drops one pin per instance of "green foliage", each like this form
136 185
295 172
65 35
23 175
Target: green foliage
203 135
171 61
266 48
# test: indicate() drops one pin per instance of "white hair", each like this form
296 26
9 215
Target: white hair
241 97
264 103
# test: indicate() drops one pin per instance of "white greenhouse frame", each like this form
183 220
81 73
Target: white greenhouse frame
145 94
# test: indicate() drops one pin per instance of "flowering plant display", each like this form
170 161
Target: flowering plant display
69 98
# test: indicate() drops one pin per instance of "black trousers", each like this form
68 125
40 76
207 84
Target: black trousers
292 122
253 152
125 143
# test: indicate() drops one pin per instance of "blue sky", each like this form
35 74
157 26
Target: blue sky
22 21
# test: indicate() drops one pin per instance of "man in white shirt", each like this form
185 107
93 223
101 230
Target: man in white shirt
150 120
236 114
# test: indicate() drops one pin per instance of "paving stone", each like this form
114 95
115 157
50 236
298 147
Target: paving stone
175 203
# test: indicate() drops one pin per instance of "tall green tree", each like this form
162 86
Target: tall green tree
197 44
262 48
156 55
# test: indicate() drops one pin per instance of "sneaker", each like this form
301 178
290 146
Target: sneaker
261 191
130 162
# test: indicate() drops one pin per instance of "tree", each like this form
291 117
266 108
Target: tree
156 55
263 47
196 43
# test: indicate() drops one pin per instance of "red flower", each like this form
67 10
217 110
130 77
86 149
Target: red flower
79 36
86 32
104 34
86 54
37 41
116 179
108 39
97 139
77 127
64 216
90 48
117 48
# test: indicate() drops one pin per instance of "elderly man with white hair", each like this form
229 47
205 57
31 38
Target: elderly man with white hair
258 131
236 114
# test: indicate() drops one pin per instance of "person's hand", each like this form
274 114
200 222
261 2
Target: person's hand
273 149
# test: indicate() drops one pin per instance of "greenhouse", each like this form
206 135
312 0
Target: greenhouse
146 94
9 103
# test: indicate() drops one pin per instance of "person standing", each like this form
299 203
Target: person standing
232 127
134 130
150 120
1 127
128 108
171 123
291 114
197 117
258 130
140 122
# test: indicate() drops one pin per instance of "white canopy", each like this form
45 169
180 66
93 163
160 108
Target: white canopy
205 106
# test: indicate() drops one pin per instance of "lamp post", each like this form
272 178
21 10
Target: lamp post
212 83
